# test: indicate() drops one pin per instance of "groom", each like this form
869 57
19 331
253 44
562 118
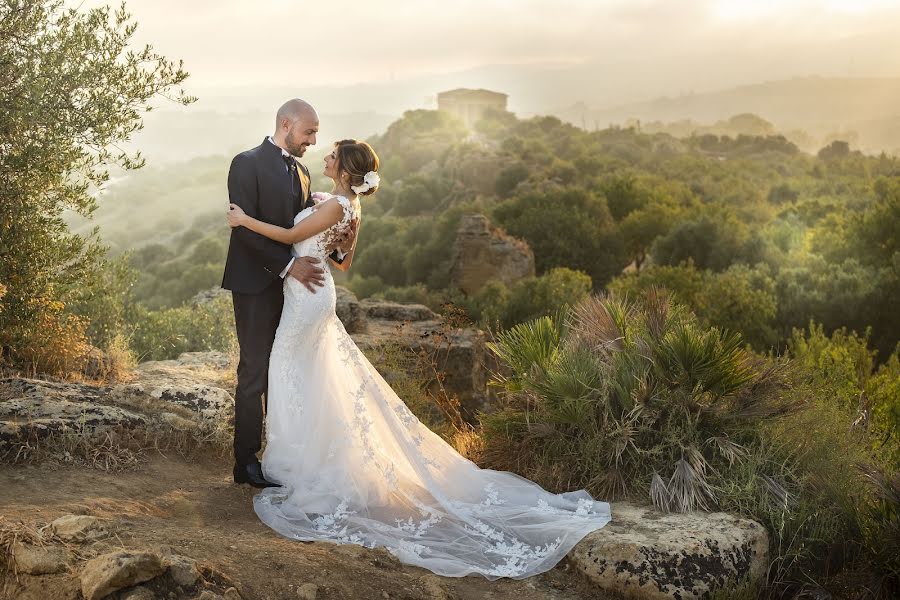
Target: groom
269 184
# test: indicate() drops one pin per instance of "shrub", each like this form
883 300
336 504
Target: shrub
165 334
629 399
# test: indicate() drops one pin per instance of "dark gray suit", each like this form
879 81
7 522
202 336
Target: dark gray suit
261 184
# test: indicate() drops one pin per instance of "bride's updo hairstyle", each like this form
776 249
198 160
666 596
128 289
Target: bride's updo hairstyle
356 159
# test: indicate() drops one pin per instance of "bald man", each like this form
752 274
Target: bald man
269 184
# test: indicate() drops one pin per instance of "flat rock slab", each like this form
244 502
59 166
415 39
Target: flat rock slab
35 408
643 553
167 393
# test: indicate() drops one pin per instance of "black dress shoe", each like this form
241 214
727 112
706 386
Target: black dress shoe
253 475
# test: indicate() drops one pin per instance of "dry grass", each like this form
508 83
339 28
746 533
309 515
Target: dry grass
117 449
12 533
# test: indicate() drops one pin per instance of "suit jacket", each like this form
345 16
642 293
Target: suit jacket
259 182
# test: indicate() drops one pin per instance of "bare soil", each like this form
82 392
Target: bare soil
192 508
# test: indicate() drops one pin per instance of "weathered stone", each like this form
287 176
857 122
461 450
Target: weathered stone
182 569
459 353
194 382
349 311
645 554
108 573
78 528
307 591
384 310
205 402
232 594
209 595
213 293
139 593
484 253
39 560
41 409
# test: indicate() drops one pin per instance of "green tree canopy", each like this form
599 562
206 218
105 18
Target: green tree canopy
71 90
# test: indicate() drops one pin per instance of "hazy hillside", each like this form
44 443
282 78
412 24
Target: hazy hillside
865 112
171 135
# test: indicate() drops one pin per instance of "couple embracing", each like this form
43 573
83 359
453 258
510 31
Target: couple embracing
345 460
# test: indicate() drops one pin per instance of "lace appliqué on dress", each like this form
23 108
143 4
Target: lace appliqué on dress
359 467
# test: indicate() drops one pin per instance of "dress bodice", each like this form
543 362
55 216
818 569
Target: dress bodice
316 246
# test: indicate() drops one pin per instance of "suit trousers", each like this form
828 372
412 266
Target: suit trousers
256 318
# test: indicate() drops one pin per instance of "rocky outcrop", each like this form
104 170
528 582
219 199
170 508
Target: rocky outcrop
645 554
196 382
484 253
458 354
184 394
34 410
349 311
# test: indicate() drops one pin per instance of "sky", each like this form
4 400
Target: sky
666 46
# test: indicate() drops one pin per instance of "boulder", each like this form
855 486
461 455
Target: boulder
78 528
108 573
645 554
182 570
459 353
39 560
195 382
484 253
349 311
384 310
139 593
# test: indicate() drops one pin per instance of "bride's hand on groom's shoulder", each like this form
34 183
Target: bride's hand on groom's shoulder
235 215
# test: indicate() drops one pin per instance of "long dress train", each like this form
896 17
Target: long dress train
358 467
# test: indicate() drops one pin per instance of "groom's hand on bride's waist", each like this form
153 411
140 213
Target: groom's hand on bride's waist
305 270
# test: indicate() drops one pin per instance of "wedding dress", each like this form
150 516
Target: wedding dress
358 467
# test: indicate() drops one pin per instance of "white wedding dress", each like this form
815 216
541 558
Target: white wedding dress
358 467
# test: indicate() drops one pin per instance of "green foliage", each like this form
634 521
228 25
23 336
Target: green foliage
566 227
739 299
712 242
71 90
639 399
417 139
166 333
102 299
842 368
529 298
634 399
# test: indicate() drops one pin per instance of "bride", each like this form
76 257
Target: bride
354 464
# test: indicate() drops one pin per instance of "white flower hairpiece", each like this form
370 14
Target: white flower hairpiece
369 181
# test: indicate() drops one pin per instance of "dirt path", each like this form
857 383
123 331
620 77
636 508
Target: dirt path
193 508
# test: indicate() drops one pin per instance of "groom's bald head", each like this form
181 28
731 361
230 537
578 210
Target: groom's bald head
296 125
295 109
